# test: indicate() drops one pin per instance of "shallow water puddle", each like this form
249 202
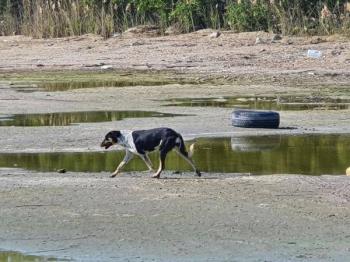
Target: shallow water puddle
281 103
67 118
9 256
51 81
307 154
64 86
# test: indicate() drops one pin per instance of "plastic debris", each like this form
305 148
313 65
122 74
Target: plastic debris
314 53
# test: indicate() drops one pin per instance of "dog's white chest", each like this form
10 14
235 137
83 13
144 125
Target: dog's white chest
127 141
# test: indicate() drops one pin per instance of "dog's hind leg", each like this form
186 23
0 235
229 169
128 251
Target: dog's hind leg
147 161
186 157
127 158
161 164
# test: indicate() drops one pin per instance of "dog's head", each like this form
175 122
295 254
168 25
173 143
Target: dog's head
110 139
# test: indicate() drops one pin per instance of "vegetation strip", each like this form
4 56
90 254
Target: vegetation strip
58 18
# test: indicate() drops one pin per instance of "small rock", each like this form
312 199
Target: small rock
61 171
335 52
172 30
287 41
40 65
258 41
106 67
115 35
317 40
215 34
137 43
150 30
276 37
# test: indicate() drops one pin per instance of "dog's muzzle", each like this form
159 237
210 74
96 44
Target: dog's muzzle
106 144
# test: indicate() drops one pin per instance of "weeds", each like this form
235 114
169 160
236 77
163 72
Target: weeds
57 18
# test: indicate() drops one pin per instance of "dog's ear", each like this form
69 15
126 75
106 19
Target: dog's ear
114 135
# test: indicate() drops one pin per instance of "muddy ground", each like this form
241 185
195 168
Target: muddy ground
220 217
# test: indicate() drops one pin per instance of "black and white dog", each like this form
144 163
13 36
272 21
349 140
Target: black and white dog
140 142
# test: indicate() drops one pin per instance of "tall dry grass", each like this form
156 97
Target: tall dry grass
58 18
45 19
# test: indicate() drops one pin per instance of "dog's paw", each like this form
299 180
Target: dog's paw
113 175
198 173
156 176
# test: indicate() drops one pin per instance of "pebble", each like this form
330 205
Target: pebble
258 41
215 34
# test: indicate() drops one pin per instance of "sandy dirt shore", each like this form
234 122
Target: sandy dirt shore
191 53
90 217
220 217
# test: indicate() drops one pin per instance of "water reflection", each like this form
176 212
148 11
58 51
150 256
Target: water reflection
67 118
281 103
6 256
65 86
309 155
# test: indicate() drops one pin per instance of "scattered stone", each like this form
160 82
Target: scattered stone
137 43
149 30
172 30
115 35
215 34
61 171
317 40
40 65
106 67
95 65
258 41
287 41
276 37
336 52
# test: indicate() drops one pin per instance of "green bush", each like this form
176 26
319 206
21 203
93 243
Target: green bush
183 15
245 16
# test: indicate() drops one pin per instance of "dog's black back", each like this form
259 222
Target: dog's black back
148 140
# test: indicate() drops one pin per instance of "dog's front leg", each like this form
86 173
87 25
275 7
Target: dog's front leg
161 164
127 158
147 161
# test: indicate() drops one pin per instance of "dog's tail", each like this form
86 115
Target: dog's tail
182 147
191 151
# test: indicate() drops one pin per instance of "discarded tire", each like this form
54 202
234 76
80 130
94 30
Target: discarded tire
255 119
